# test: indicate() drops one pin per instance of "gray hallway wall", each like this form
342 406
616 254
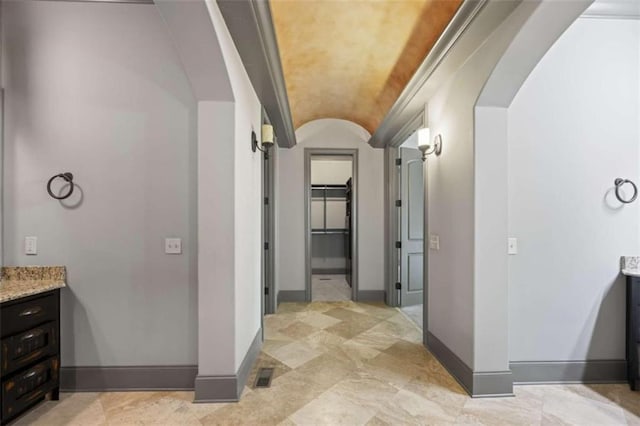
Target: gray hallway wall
468 191
330 133
451 186
566 297
97 90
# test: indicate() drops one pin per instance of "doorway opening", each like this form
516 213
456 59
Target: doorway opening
331 225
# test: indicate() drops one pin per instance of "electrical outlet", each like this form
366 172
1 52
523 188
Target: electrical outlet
173 246
434 242
31 245
512 246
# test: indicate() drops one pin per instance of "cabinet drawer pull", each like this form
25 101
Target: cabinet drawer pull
29 374
31 335
32 373
30 311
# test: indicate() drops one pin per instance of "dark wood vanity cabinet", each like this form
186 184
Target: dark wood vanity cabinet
633 332
29 352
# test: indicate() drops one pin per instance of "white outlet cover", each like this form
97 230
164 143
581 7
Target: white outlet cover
434 242
173 245
512 246
31 245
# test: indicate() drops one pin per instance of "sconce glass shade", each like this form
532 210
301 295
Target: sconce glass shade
267 135
424 138
426 146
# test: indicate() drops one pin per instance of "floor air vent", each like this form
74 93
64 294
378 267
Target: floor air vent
264 378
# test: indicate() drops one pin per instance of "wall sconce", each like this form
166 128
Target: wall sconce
267 139
426 146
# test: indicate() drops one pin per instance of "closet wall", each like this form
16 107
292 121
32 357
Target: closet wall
329 176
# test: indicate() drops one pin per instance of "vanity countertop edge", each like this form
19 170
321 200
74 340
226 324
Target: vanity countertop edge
630 266
22 281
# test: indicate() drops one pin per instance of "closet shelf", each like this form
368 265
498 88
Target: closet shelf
323 194
328 186
328 231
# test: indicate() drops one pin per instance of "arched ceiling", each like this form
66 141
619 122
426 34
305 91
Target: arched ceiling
350 59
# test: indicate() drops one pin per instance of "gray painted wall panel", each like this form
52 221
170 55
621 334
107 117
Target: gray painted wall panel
198 48
537 25
567 220
97 90
216 276
453 200
330 133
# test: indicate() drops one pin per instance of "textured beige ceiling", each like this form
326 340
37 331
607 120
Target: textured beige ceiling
350 59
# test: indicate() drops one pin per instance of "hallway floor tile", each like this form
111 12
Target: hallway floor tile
414 313
354 364
329 288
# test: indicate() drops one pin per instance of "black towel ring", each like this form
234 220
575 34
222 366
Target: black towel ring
619 182
68 177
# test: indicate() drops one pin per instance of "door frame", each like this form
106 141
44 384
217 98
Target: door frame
425 264
353 153
392 193
267 275
408 156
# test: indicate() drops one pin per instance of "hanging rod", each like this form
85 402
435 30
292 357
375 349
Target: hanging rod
328 231
330 186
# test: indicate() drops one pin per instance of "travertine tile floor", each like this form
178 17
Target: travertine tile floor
330 288
348 363
414 313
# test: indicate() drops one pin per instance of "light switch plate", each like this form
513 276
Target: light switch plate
31 245
173 246
512 246
434 242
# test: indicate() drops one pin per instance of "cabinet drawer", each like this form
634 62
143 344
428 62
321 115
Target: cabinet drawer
28 387
25 348
20 316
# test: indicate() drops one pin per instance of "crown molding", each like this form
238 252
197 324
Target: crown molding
251 28
387 133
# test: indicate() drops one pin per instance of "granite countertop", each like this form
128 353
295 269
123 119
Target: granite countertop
22 281
630 266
